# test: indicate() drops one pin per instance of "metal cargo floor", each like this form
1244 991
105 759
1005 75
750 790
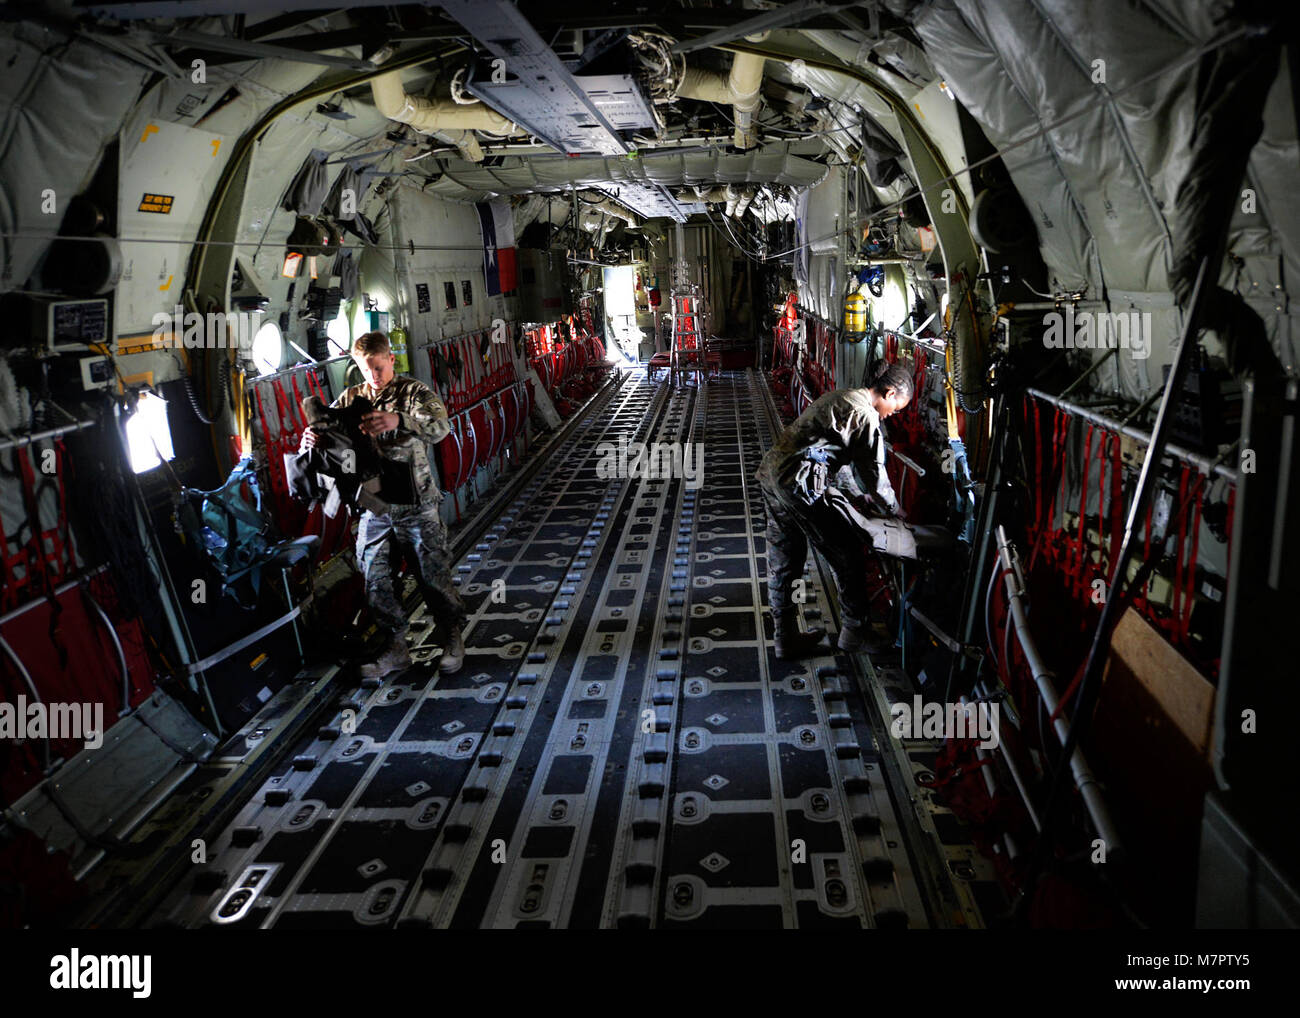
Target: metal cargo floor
621 747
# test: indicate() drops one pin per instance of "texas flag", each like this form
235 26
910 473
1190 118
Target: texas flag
498 245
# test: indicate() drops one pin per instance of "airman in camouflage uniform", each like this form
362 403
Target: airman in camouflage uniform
811 494
406 416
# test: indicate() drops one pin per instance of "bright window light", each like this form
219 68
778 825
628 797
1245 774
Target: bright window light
340 334
148 434
890 308
620 292
268 348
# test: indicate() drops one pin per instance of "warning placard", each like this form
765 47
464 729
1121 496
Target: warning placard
161 203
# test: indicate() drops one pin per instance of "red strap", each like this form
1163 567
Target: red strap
1060 431
297 413
69 563
1040 483
957 772
1116 500
1079 558
287 420
460 380
48 549
1140 598
318 390
1102 439
1064 701
26 555
261 415
1189 593
476 367
9 592
1176 608
274 446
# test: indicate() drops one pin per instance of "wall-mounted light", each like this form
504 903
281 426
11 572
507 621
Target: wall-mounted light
148 435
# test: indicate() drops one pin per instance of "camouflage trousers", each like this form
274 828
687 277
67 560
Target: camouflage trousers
420 534
829 523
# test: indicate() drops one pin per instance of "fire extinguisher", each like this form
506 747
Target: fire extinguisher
397 344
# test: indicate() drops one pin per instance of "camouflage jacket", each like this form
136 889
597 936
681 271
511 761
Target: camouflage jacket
422 420
836 436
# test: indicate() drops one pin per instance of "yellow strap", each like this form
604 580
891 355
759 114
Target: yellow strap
243 414
949 393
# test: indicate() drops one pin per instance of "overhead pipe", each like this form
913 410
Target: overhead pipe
466 143
613 208
739 88
445 118
738 199
733 198
746 80
703 193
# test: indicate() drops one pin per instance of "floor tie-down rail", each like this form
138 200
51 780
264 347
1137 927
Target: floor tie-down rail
621 747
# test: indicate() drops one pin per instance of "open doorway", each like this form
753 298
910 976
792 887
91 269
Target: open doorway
620 311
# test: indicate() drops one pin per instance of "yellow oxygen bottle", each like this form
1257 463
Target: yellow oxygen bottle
855 314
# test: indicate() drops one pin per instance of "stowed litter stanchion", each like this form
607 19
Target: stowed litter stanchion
690 352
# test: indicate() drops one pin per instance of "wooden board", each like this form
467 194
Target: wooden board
1185 696
1149 746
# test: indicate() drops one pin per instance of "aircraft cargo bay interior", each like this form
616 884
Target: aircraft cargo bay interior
672 466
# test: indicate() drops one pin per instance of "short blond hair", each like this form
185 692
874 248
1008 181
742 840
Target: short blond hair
371 343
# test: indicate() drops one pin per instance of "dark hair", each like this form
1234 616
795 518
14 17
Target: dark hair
893 376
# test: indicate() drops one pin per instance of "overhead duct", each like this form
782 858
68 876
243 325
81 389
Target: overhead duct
464 182
733 198
613 208
738 199
465 142
740 88
446 118
527 212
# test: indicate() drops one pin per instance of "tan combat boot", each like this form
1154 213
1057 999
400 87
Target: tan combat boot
453 655
864 639
394 658
791 644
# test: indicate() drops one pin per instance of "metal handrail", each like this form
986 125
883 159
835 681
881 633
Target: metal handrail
1084 779
18 441
1205 463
